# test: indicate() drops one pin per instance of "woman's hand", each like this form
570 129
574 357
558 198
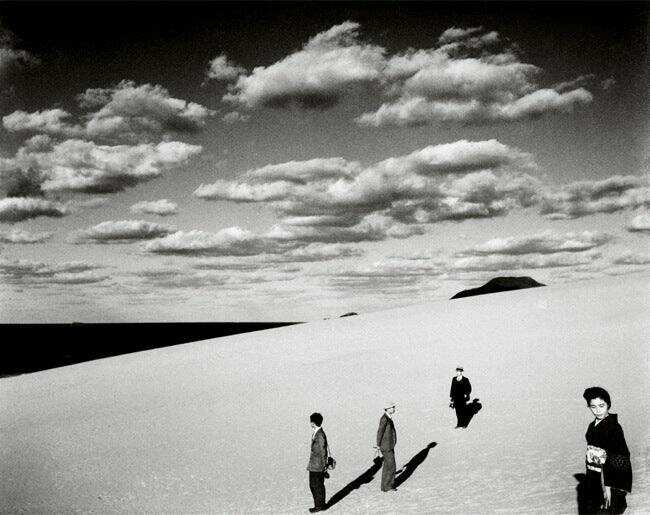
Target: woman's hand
607 495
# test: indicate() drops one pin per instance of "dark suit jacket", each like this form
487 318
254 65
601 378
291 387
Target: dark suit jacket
386 434
318 456
460 390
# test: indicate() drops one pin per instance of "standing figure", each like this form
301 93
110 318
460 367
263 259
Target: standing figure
609 472
386 440
317 462
459 396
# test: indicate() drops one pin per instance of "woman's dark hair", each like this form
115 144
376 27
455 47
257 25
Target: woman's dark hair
316 418
596 392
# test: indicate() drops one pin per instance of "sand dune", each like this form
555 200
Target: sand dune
222 425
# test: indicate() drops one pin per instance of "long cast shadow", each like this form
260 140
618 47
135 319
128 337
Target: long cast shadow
363 479
470 410
407 470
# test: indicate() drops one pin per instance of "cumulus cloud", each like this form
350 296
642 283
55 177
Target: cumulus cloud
162 207
315 76
222 69
126 111
23 272
544 243
335 200
11 57
16 209
21 236
518 262
640 223
469 77
84 166
318 252
584 198
632 258
232 241
122 231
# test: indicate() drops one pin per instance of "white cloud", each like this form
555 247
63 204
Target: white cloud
21 236
122 231
220 68
127 112
11 57
318 252
322 196
455 34
584 198
543 243
445 83
232 241
16 209
23 272
315 76
162 207
519 262
84 166
640 223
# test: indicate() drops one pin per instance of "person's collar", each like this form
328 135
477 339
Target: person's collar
388 415
316 429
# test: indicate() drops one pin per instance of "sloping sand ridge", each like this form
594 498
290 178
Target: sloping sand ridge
222 425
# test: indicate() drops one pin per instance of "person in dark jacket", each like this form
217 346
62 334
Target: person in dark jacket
609 471
459 396
317 462
386 441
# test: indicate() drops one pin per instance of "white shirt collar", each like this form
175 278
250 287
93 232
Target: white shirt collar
313 434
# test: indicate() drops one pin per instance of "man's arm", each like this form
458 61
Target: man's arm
380 431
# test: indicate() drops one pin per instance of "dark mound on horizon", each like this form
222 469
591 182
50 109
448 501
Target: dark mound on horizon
500 284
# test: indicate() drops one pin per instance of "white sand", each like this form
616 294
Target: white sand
222 425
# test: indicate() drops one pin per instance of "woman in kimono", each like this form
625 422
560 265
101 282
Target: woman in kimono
609 473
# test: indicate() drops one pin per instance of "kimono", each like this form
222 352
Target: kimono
608 464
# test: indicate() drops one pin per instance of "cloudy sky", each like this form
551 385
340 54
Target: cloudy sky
228 162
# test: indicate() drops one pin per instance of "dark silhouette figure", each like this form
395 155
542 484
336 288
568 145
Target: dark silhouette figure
407 470
581 493
470 410
459 396
365 478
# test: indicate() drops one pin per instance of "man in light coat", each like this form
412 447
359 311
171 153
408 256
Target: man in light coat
317 462
386 440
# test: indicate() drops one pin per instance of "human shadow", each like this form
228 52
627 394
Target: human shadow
363 479
407 470
471 409
581 493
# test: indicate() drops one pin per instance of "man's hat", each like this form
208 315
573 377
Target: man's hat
459 368
390 405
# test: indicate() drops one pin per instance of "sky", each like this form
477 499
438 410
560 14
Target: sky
293 161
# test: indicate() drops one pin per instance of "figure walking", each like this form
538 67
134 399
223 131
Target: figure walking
386 440
609 471
317 462
459 396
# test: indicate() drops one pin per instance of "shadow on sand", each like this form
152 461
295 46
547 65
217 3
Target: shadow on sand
407 470
363 479
470 410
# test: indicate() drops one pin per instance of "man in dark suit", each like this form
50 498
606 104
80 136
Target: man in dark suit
386 440
459 396
317 462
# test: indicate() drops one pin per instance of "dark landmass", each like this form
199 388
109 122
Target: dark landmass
33 347
350 314
500 284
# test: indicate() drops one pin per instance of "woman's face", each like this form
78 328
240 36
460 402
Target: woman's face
599 408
